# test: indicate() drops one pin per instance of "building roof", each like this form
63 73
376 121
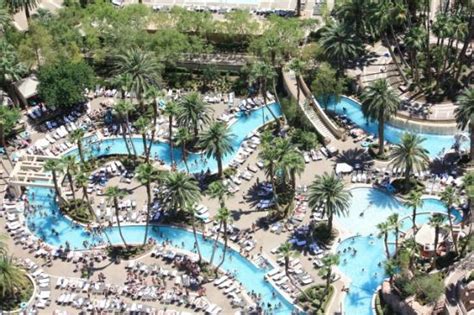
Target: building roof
27 87
425 236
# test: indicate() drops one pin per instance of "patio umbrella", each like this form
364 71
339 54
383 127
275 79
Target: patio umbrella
343 168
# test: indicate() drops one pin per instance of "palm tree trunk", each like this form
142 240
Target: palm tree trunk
55 182
125 139
219 164
381 135
85 195
413 219
185 160
79 149
27 14
407 177
452 231
170 131
148 210
396 239
145 148
307 297
117 214
225 247
436 240
127 122
471 135
193 224
298 8
390 50
330 217
71 184
214 246
385 241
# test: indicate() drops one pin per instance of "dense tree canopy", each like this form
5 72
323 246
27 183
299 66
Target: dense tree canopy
63 84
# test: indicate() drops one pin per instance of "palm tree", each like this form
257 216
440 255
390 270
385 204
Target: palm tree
143 69
123 82
339 46
436 221
180 190
328 190
261 73
384 229
465 114
297 66
286 251
217 190
414 201
76 137
379 102
11 69
415 40
224 218
395 225
82 181
69 164
193 113
391 269
328 261
153 94
409 155
217 142
54 166
413 249
182 138
450 198
113 193
171 110
27 5
143 126
12 278
269 157
123 110
357 14
192 212
293 164
5 19
146 174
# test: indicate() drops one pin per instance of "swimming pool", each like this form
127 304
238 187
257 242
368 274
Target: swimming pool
244 125
365 269
434 143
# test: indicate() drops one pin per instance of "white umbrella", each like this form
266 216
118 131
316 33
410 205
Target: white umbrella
343 168
42 143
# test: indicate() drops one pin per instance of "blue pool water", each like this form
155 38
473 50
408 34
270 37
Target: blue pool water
244 125
48 223
434 143
363 268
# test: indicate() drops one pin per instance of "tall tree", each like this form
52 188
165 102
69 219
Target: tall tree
465 114
191 210
76 137
171 110
217 143
70 166
182 138
146 174
436 221
123 110
82 181
224 218
180 190
409 155
326 85
329 192
142 67
54 166
143 127
384 229
217 190
450 198
292 164
113 193
414 201
395 224
297 66
193 113
379 102
329 261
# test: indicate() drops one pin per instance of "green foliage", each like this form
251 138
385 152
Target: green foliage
63 84
427 288
319 299
9 118
304 140
327 85
322 234
79 211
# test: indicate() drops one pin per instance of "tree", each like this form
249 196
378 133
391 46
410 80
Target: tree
224 218
69 164
465 114
395 224
8 120
379 102
182 139
123 82
409 155
113 193
11 69
329 192
326 85
54 166
143 126
217 190
292 164
143 69
193 113
391 269
124 109
286 251
412 248
339 45
82 181
269 157
414 201
384 229
217 143
5 18
328 261
171 110
415 40
436 221
450 198
192 212
76 137
180 190
146 174
357 15
297 66
12 279
62 84
18 5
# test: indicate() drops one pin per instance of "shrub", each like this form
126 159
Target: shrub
304 140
